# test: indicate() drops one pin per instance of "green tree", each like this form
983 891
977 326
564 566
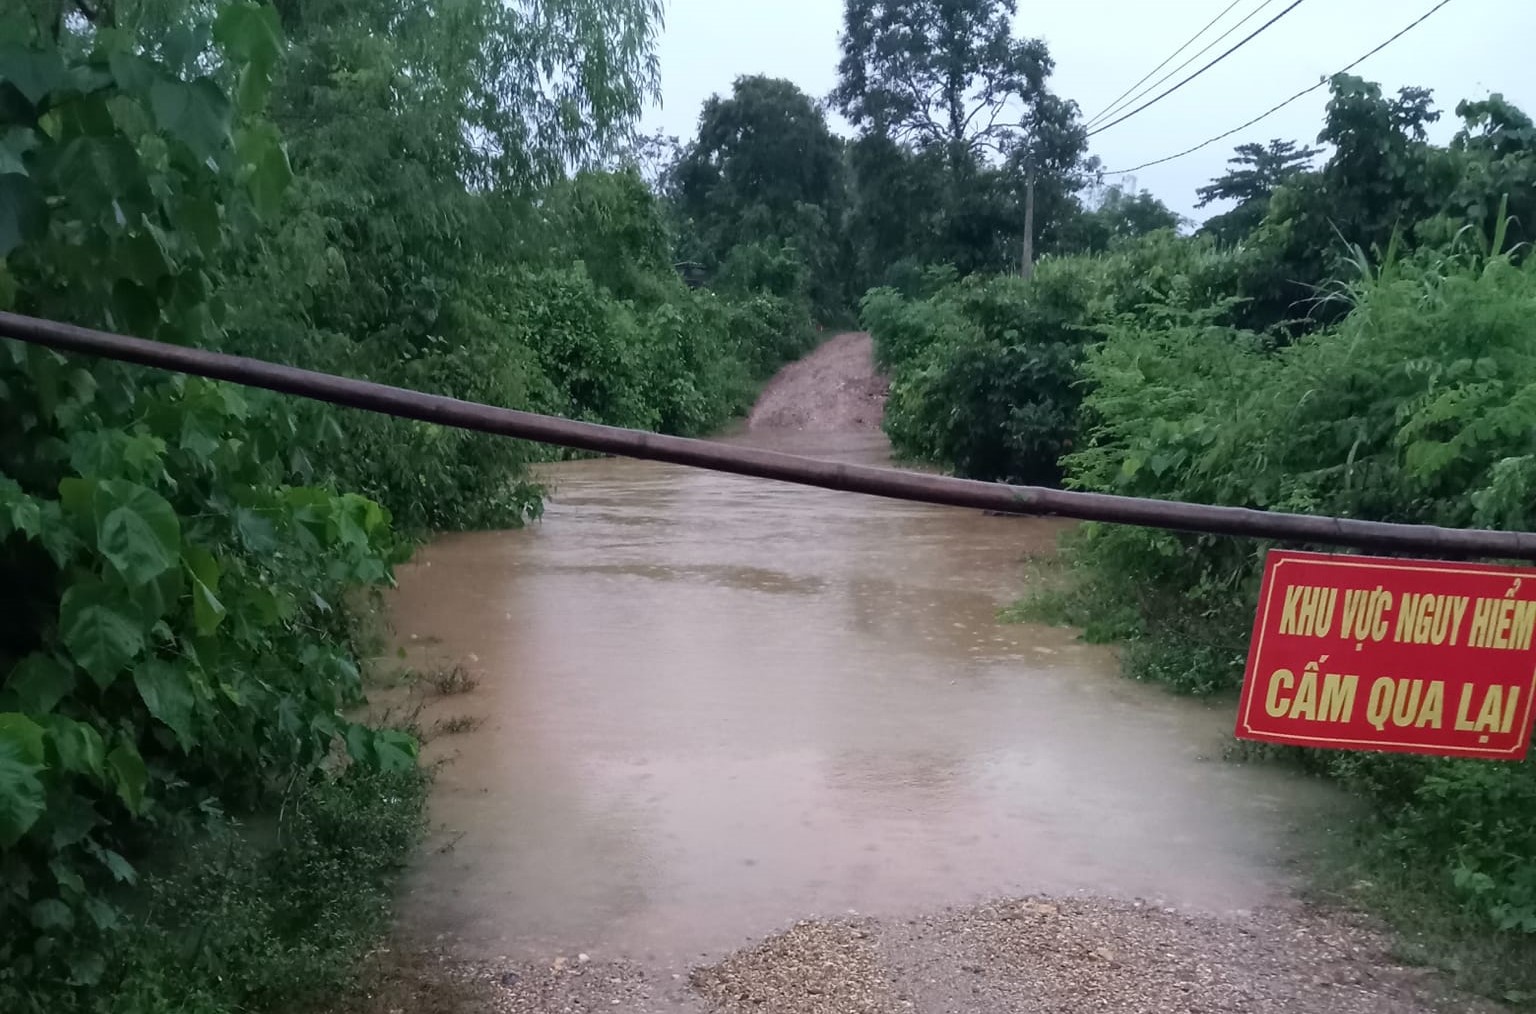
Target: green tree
533 87
419 133
765 168
1383 180
1257 172
1117 216
948 78
1496 170
944 74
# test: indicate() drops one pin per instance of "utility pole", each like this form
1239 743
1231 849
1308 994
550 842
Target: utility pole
1027 264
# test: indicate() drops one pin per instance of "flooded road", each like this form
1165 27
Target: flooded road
714 705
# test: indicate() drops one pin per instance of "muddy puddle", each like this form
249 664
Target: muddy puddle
712 705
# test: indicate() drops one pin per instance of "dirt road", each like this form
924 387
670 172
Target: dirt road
835 389
803 704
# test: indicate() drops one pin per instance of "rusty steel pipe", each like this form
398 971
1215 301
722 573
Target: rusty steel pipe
763 464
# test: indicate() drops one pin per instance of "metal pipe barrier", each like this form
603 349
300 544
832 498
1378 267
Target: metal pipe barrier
764 464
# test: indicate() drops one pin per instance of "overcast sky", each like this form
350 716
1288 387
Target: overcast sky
1466 50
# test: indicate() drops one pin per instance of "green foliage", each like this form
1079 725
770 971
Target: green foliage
766 173
254 921
959 134
432 240
1258 171
1418 407
172 643
983 373
1118 216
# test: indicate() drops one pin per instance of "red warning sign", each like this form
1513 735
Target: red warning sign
1413 656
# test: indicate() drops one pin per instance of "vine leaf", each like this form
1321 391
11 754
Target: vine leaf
34 73
394 750
136 531
21 793
41 682
207 611
78 746
252 35
129 776
51 914
196 113
261 151
100 628
167 694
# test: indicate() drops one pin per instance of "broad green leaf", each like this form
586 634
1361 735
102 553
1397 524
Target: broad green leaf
34 72
101 628
196 439
232 401
24 735
207 611
86 967
70 819
261 152
78 746
137 530
252 36
20 513
21 208
256 532
133 73
52 914
250 32
121 869
15 142
359 743
66 876
394 750
41 681
129 776
21 793
196 113
167 693
76 496
102 914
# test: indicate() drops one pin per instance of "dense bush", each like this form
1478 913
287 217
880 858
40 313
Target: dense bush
173 642
276 919
1419 406
984 372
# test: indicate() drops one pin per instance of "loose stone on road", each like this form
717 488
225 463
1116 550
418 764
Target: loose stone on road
1029 956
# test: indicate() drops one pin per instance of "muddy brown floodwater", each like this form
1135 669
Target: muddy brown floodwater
714 705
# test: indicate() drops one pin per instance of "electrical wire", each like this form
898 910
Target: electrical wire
1163 95
1096 117
1281 105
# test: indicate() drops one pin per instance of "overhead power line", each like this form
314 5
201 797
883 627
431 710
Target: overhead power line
1096 117
1164 94
1281 105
